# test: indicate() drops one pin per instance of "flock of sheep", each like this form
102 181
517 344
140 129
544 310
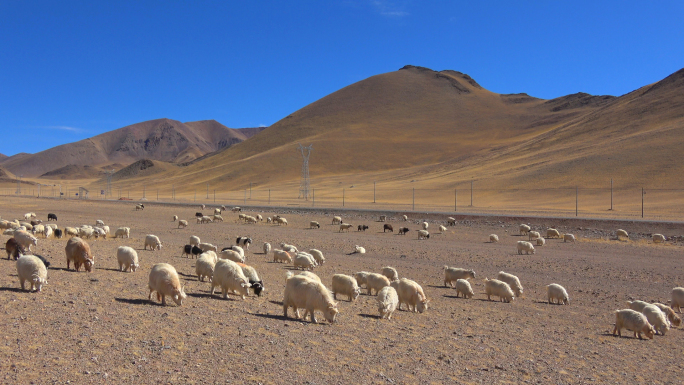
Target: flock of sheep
226 270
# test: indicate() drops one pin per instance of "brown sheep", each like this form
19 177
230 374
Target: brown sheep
78 251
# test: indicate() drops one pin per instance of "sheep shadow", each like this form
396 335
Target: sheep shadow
439 287
453 296
187 275
275 317
201 295
62 269
137 301
279 303
108 269
13 289
369 316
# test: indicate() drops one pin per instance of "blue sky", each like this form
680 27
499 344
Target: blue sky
72 70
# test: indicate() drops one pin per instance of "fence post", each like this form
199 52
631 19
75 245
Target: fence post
471 193
244 201
250 190
313 197
642 202
342 197
611 194
413 203
455 198
157 194
373 191
144 191
269 196
195 195
214 196
576 199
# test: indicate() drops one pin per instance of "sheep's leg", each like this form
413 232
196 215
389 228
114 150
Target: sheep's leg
313 316
285 309
149 297
163 299
21 281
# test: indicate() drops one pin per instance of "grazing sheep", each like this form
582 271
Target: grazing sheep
198 215
120 232
52 217
318 256
337 220
267 247
139 206
659 238
499 289
442 229
304 261
524 229
388 300
452 274
390 273
314 224
403 230
512 281
229 277
289 248
30 268
153 242
259 218
345 226
58 233
361 277
621 234
281 221
78 251
13 249
175 218
45 261
345 285
239 249
25 239
99 232
281 256
424 225
309 274
404 217
194 240
451 221
251 219
203 207
191 250
236 209
217 211
359 250
411 293
38 229
463 287
656 318
86 232
540 241
386 227
205 219
204 267
232 255
634 321
525 246
493 238
99 222
557 294
375 281
164 280
361 228
533 235
383 218
127 258
269 220
671 316
423 234
568 238
303 292
243 241
256 284
552 233
637 305
217 218
207 247
677 299
182 223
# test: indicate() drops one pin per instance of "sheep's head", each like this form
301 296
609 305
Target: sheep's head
135 267
356 293
88 265
258 287
422 305
649 331
179 296
471 273
331 312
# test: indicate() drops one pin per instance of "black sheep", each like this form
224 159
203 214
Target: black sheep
52 216
58 233
45 261
199 215
362 228
403 230
387 226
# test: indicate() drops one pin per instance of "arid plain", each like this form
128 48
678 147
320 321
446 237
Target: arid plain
99 327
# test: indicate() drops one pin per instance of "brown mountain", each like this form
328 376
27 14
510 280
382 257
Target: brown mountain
161 139
3 157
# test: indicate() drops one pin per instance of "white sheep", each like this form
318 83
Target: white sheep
383 218
411 293
204 267
345 226
153 242
229 277
493 238
568 238
303 292
637 305
99 232
671 316
202 207
309 274
451 221
540 241
269 220
217 218
361 277
512 281
452 274
25 240
524 229
388 300
182 223
239 249
463 287
533 235
525 246
345 285
86 232
281 256
677 298
337 220
232 255
656 318
207 247
499 289
38 229
30 268
217 211
314 225
304 261
121 232
375 281
253 277
139 206
236 209
442 229
205 219
359 249
175 218
251 219
390 273
164 280
127 258
424 225
106 230
318 256
289 248
404 217
267 247
621 234
259 218
99 222
423 234
48 231
659 238
194 241
73 232
557 294
281 221
634 321
552 233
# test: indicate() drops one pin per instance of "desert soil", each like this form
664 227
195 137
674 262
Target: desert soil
99 327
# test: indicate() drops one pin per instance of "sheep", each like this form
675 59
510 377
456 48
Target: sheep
52 217
568 238
153 242
259 218
13 249
239 249
203 207
452 274
552 233
386 227
424 225
345 226
175 218
659 238
318 256
232 255
540 241
361 228
9 232
281 256
255 282
423 234
217 211
361 277
236 209
223 208
25 239
38 229
243 241
78 251
525 246
345 285
164 280
403 230
621 234
557 294
106 231
383 218
304 261
524 229
499 289
512 281
677 298
120 232
199 215
281 221
267 247
194 240
58 233
127 258
671 316
86 232
390 273
204 267
634 321
359 250
314 224
47 232
98 232
217 218
207 247
36 222
463 287
251 219
30 268
45 261
404 217
493 238
303 292
27 216
411 293
532 235
229 276
205 219
27 226
442 229
388 300
182 223
451 221
375 281
637 305
269 220
99 222
337 220
139 206
289 248
656 318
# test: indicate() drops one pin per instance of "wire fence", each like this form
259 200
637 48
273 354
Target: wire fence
618 203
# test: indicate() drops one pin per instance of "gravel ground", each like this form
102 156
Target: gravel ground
99 327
